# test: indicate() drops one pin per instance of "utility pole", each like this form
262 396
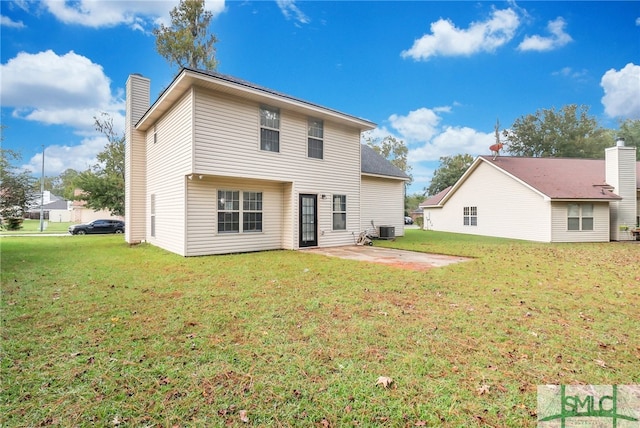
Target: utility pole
42 193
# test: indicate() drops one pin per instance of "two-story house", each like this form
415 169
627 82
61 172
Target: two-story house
220 165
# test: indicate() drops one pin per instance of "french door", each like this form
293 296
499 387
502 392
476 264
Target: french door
308 207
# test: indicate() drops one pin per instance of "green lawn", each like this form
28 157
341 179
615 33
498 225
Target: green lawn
33 227
98 333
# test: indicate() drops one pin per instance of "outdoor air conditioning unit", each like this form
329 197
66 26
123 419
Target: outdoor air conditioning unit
387 232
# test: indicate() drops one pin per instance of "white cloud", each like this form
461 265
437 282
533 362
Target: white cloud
136 14
428 141
622 92
58 158
638 21
418 125
557 39
67 90
448 40
291 11
61 90
5 21
451 141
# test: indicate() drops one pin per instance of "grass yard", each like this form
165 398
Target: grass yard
97 333
33 227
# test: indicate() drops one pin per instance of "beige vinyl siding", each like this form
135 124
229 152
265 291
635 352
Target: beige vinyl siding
171 159
202 222
135 159
506 208
620 164
227 143
560 232
383 203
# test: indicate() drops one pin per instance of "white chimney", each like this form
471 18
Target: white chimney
135 159
620 165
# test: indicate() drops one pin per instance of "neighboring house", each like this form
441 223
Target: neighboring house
219 165
80 213
543 199
57 210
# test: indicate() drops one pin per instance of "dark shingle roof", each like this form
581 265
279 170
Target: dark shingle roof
373 163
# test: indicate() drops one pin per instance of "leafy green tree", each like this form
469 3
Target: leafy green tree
450 170
103 185
412 202
569 132
16 190
186 42
394 150
65 184
630 131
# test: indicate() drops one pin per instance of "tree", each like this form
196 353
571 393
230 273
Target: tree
630 131
103 185
394 150
570 132
450 170
65 184
16 190
186 43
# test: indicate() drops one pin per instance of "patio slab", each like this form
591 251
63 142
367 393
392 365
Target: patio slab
398 258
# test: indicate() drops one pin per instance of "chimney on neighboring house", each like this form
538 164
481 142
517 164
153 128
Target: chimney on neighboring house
135 159
620 165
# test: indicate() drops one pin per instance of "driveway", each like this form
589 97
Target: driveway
388 256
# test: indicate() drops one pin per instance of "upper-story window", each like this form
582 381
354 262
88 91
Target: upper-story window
269 129
315 143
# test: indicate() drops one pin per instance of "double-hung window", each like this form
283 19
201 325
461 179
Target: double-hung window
339 212
580 217
470 216
252 211
269 129
315 143
230 211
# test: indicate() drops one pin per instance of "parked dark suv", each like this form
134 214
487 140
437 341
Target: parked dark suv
97 226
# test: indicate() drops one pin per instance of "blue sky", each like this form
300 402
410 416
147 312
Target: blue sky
435 74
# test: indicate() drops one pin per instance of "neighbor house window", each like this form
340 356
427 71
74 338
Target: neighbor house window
269 129
252 211
339 212
230 211
580 217
315 136
470 216
152 205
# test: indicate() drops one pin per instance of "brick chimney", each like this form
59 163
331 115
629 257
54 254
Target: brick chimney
135 159
620 167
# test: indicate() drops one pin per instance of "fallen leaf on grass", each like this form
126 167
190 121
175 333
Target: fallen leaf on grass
484 389
600 363
384 381
243 416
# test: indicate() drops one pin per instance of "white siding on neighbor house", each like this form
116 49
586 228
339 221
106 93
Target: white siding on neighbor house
506 208
227 143
559 226
169 156
135 159
202 222
382 202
